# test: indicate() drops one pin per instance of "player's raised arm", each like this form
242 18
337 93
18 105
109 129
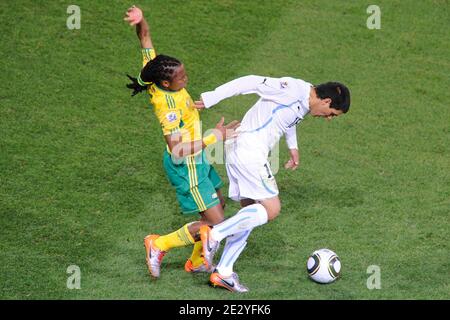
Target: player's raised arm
135 16
279 90
243 85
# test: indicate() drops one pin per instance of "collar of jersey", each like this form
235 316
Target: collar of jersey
165 90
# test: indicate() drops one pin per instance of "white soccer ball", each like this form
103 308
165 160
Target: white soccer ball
324 266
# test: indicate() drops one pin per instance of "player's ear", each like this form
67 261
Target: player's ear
165 83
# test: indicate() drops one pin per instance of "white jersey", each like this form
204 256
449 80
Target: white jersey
283 103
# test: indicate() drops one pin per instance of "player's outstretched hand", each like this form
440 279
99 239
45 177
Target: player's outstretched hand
199 104
133 15
226 132
294 161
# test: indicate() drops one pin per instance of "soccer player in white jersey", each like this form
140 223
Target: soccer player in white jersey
283 103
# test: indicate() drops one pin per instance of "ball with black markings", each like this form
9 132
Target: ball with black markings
323 266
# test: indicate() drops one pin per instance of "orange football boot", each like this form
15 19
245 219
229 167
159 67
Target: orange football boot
154 255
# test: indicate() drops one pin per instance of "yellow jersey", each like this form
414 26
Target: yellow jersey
174 109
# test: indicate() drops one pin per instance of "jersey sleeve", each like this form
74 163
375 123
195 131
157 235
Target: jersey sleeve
147 55
273 89
243 85
291 138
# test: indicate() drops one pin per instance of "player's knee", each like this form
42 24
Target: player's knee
273 209
213 218
194 227
217 220
273 213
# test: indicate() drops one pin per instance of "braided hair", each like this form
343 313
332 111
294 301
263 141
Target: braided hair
155 71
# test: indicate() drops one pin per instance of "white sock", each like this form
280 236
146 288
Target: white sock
246 219
233 247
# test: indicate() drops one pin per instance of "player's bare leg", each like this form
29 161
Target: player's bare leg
221 198
272 206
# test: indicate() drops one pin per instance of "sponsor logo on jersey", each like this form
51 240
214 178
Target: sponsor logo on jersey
283 84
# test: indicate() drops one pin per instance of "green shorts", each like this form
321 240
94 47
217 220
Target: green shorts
195 182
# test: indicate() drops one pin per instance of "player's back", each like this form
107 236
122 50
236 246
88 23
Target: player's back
267 120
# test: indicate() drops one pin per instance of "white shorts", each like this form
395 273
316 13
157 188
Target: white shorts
249 178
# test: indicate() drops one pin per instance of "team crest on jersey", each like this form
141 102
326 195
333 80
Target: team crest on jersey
171 117
283 84
188 102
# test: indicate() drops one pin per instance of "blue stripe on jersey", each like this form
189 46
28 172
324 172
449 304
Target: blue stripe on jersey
281 106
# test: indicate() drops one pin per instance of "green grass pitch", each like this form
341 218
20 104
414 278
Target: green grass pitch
81 177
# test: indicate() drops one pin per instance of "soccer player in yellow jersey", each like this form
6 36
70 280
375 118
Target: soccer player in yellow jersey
196 182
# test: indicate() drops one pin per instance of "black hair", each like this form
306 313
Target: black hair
155 71
337 92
